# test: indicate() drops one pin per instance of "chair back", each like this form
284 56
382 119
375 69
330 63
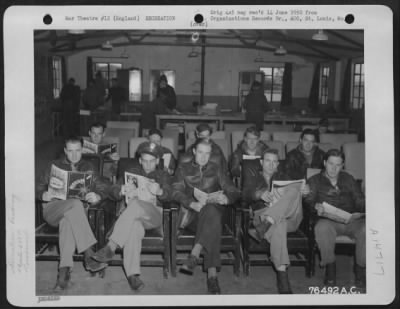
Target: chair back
355 159
337 140
124 130
134 144
278 145
309 126
285 136
278 128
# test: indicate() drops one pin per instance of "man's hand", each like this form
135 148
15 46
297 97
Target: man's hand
46 196
196 206
114 156
356 216
305 190
154 188
222 199
129 190
56 183
92 198
267 197
319 208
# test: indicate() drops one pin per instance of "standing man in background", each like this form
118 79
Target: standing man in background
70 99
117 96
256 105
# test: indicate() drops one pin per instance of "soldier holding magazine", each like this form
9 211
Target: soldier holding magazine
338 189
69 214
275 211
140 214
203 213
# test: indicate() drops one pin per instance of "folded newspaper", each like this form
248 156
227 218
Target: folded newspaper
142 184
280 186
68 184
89 147
335 214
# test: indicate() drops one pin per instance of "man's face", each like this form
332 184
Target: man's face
308 142
148 162
206 134
202 154
333 165
163 84
96 134
73 151
270 163
156 139
251 141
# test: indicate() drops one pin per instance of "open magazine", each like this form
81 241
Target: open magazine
335 214
69 184
166 159
204 197
141 184
103 149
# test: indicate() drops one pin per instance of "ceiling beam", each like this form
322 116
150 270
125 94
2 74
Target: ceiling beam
345 38
218 45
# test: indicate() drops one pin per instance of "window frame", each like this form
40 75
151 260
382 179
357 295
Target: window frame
107 76
324 89
57 75
361 93
274 66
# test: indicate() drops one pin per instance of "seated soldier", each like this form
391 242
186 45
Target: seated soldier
203 215
306 155
69 215
155 136
96 135
204 131
251 146
341 190
273 222
139 215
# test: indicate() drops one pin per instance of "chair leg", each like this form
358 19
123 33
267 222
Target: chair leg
174 214
167 249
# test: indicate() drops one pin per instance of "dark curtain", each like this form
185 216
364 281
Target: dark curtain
346 89
63 71
313 98
287 85
89 70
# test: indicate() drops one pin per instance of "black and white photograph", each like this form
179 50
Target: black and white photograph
238 106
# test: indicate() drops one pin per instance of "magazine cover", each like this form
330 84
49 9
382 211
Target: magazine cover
141 183
67 184
89 147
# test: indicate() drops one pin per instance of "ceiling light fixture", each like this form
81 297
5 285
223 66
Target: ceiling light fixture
280 51
320 36
76 31
107 45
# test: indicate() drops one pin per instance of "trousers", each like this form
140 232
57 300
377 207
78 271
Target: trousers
207 224
74 228
129 230
325 235
287 214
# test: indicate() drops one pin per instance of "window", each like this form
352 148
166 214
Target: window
135 85
107 70
273 81
357 97
57 76
155 76
323 85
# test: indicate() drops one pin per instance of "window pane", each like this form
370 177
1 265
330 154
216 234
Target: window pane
135 85
267 71
356 80
115 66
362 68
276 97
357 68
278 72
268 82
101 67
355 102
268 95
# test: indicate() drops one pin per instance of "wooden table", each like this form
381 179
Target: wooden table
222 118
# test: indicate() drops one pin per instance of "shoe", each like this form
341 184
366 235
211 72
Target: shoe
213 286
63 278
360 277
92 265
135 283
330 274
104 255
283 282
189 265
259 230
